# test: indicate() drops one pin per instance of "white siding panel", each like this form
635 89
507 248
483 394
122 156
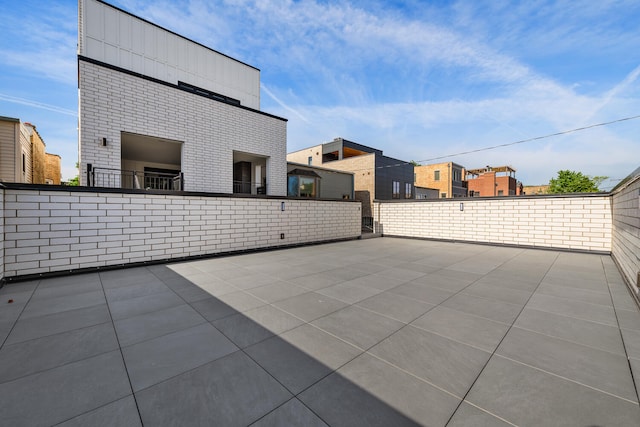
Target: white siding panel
94 48
104 25
94 24
111 29
149 41
125 59
124 26
111 53
137 63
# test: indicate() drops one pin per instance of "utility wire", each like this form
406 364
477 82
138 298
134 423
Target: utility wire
533 139
497 146
516 142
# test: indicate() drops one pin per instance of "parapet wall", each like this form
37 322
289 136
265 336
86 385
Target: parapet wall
574 222
57 230
626 229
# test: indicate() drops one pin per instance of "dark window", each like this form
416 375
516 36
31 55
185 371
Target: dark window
302 186
396 190
209 94
309 160
24 163
500 193
443 195
436 175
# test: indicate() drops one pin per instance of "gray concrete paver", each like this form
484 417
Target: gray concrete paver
561 362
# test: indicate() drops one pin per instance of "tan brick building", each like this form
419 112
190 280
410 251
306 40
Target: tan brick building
52 170
532 190
22 155
447 178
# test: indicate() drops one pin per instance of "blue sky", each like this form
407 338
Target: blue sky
417 79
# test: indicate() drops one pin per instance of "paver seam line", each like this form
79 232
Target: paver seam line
124 363
574 288
583 302
242 350
451 339
63 364
490 413
56 333
366 351
542 310
568 340
94 409
624 346
566 379
19 315
165 334
493 353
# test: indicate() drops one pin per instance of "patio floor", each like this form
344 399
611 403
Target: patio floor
383 331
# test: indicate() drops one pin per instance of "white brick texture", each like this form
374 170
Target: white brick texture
112 102
626 231
120 228
576 223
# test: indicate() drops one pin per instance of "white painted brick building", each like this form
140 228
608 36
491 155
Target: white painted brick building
155 105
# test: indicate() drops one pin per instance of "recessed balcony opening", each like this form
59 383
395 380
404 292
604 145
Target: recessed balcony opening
249 173
149 163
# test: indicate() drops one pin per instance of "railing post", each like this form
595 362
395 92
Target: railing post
89 175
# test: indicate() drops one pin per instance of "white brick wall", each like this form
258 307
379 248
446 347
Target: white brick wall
578 223
626 230
112 102
2 233
49 231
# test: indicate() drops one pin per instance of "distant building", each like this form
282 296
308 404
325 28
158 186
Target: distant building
447 178
52 169
426 193
318 183
376 176
22 155
532 190
493 181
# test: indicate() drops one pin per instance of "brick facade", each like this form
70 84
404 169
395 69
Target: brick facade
579 222
52 169
60 230
489 185
626 230
112 102
440 176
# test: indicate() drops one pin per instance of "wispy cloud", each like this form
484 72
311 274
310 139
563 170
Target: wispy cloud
282 104
36 104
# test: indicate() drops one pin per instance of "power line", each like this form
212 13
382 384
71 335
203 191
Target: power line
505 145
532 139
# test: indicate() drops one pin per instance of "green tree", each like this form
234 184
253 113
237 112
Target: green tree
75 181
575 182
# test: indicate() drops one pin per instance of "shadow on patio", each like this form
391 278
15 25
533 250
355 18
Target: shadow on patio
377 332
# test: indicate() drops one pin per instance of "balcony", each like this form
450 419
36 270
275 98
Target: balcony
132 179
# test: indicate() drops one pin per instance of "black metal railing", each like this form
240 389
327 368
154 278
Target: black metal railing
118 178
367 224
243 187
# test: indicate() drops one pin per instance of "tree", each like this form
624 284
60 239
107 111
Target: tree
75 181
575 182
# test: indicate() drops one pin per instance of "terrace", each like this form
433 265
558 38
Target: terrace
384 331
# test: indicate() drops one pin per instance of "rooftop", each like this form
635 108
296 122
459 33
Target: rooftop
366 332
